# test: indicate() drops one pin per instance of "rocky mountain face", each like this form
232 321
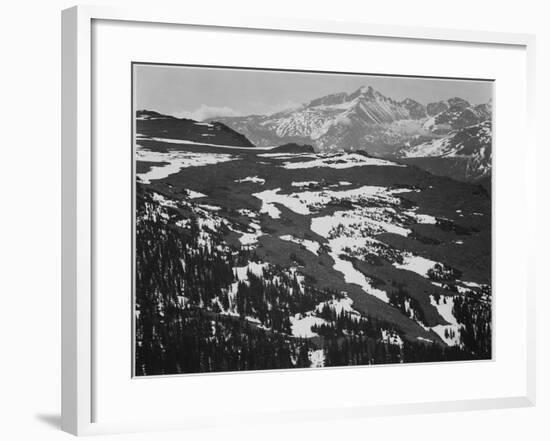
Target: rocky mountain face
457 114
368 120
464 154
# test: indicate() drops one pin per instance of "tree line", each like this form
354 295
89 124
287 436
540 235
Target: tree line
193 314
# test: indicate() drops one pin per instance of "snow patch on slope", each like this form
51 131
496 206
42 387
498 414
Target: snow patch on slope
340 161
301 325
416 264
176 161
450 333
253 179
309 245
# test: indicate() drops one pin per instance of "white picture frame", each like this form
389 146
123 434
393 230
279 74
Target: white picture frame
79 203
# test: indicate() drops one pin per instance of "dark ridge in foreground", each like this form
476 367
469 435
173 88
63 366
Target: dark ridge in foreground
293 148
154 124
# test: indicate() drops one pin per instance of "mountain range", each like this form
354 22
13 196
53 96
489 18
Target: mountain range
450 137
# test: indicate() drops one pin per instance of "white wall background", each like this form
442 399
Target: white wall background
30 218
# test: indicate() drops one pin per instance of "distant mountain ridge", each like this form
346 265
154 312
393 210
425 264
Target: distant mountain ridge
464 154
368 120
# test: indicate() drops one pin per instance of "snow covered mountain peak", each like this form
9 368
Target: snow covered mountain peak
345 100
366 92
458 102
365 120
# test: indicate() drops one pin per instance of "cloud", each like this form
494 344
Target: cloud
284 106
207 112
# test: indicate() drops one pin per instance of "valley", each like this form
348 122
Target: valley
288 256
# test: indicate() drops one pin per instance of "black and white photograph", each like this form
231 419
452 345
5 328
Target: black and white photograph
297 219
305 220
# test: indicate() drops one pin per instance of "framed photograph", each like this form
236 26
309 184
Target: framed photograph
287 221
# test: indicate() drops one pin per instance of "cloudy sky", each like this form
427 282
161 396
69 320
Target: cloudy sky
201 93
